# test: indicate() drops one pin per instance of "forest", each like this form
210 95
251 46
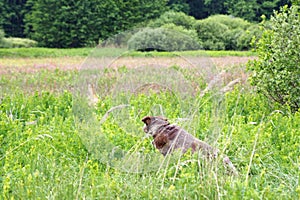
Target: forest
63 23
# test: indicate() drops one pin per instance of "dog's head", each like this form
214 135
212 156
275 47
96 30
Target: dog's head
153 123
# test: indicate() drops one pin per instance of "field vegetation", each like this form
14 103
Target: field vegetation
84 52
45 154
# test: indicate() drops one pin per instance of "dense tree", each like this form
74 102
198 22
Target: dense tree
66 23
248 9
252 10
12 17
63 23
179 6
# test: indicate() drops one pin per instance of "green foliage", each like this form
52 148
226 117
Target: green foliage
212 34
18 43
247 9
179 6
87 21
173 38
232 37
12 17
62 24
230 21
252 10
217 32
236 28
276 71
171 17
251 35
221 32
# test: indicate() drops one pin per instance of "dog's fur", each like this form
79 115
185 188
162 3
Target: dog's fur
168 137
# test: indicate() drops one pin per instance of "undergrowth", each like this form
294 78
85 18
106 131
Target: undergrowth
45 154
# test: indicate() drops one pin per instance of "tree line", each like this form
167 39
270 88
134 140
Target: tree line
63 23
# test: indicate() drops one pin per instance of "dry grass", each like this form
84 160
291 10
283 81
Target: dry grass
29 65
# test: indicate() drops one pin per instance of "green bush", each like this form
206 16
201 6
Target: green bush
221 32
230 21
163 39
18 43
231 38
254 32
276 72
171 17
189 32
212 34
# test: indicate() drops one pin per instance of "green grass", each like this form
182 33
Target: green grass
84 52
43 52
193 53
46 153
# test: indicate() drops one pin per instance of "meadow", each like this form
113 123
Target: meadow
56 144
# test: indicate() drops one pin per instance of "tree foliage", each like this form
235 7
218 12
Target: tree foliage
276 72
223 32
177 18
12 17
250 10
66 23
212 34
63 23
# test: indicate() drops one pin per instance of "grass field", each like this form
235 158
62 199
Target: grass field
53 145
84 52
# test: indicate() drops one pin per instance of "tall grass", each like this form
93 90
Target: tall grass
45 154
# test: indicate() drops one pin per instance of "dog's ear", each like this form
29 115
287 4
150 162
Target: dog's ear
147 120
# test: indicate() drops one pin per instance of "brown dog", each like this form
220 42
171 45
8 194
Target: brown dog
168 137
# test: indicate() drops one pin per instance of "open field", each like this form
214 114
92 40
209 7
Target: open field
54 144
84 52
25 65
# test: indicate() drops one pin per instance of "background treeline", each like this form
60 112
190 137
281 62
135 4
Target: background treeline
63 23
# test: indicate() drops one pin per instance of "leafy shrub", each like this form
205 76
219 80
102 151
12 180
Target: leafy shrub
177 18
230 21
163 39
189 32
220 32
18 43
231 38
276 72
212 34
252 33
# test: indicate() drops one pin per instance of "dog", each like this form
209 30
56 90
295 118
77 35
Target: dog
168 138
